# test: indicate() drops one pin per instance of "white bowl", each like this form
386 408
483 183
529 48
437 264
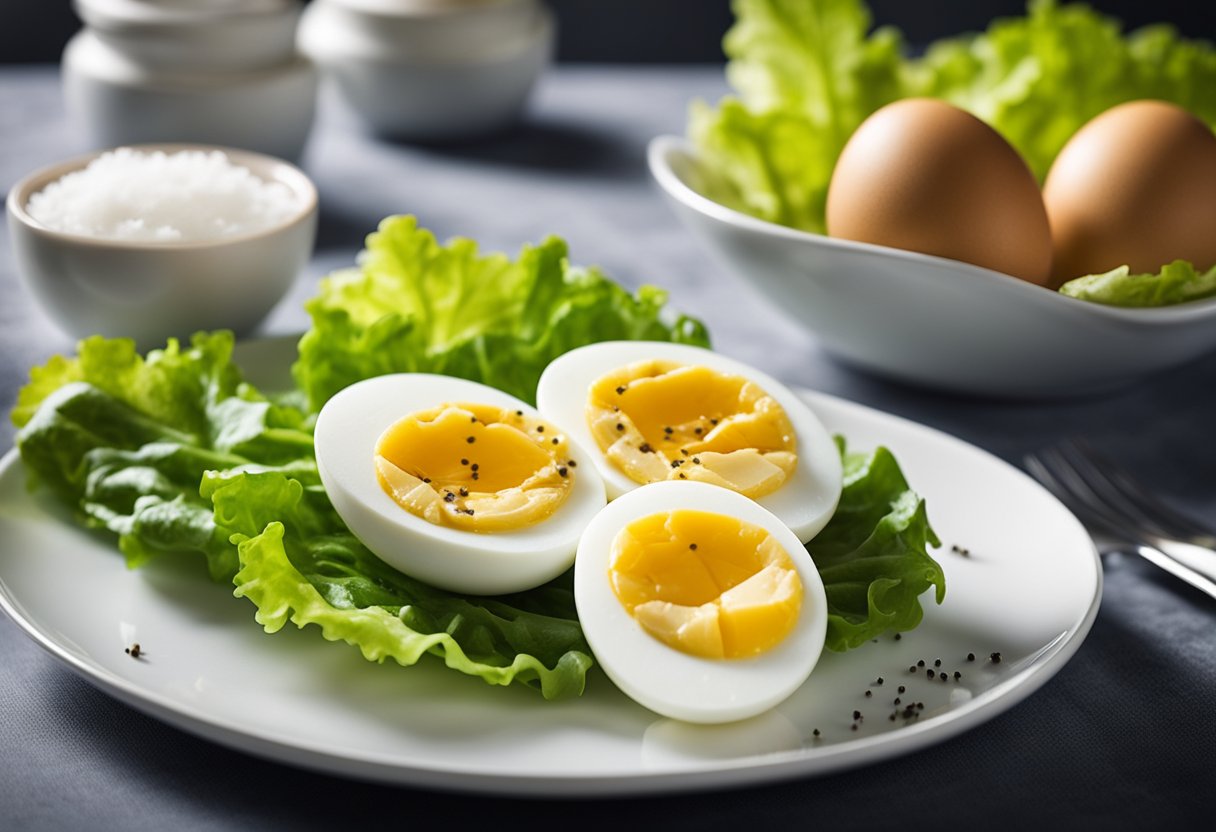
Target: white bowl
201 36
152 291
431 76
929 320
120 101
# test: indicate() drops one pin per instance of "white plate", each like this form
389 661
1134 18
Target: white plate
1029 589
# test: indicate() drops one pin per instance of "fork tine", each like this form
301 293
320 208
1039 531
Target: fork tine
1116 485
1058 477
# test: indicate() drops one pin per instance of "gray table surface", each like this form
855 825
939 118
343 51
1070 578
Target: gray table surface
1124 737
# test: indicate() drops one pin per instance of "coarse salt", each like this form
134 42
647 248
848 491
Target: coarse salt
187 196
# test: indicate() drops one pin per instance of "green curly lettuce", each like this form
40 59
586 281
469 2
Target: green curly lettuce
299 563
125 440
1177 282
807 73
873 554
414 305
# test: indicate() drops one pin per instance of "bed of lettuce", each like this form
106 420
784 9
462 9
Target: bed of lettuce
179 457
807 73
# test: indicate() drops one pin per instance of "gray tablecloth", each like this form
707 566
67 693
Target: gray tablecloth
1124 737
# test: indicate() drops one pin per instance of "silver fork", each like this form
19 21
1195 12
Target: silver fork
1108 499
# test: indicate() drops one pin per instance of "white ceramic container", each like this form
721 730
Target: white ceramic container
153 290
929 320
213 72
427 70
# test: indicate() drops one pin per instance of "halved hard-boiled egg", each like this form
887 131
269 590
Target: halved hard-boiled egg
698 603
456 483
654 411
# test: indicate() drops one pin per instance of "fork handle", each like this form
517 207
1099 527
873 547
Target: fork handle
1199 558
1180 571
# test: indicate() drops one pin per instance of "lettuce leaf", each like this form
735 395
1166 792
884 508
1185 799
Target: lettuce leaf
299 563
125 440
873 554
417 306
1177 282
807 74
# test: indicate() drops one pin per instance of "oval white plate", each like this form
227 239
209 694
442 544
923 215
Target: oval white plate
930 320
1028 589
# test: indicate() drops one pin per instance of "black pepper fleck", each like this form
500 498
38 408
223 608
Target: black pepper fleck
920 663
995 658
957 675
930 673
970 657
869 693
645 448
943 676
898 636
619 426
471 439
464 462
878 681
561 472
540 428
620 390
692 546
902 689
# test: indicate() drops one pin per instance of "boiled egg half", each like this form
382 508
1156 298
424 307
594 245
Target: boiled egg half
456 483
654 411
698 603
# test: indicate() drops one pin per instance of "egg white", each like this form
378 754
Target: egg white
805 502
666 680
347 430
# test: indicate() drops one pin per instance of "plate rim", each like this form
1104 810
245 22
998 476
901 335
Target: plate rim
740 772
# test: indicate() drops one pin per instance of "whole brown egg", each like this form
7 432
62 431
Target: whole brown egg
922 175
1136 186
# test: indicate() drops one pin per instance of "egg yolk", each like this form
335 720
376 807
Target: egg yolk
475 467
706 584
660 420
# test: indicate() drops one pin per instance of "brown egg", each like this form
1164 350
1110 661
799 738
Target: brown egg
1135 186
925 176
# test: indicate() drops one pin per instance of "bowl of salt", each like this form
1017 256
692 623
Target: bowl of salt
158 241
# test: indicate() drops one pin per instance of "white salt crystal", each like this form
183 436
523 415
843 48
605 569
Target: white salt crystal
187 196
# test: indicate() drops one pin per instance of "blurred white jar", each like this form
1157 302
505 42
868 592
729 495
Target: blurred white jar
430 69
222 72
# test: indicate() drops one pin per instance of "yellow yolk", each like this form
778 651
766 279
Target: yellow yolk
706 584
660 420
475 467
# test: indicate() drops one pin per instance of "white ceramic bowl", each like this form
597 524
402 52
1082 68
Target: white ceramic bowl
205 35
151 291
121 101
929 320
430 76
